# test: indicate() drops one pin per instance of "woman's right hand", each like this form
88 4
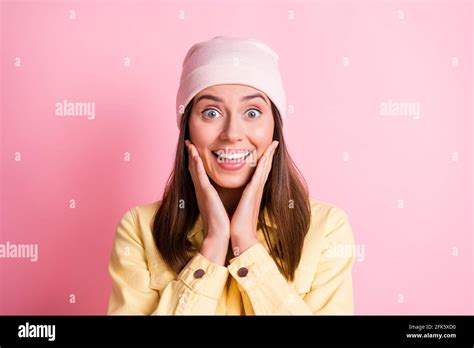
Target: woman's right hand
214 217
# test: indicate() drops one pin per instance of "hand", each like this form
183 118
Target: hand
243 226
214 217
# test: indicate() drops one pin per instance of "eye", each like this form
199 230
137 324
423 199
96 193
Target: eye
252 113
210 113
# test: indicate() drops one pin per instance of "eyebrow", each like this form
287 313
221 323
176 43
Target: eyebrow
217 99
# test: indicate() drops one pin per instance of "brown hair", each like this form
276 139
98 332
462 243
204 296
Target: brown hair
285 196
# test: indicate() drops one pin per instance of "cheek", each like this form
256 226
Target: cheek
262 137
199 135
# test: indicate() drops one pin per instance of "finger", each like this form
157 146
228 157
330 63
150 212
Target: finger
268 165
200 170
192 165
193 168
269 162
190 156
261 166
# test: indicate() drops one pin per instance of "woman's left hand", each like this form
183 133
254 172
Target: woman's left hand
243 225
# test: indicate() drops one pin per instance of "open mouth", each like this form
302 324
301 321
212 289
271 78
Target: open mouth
231 156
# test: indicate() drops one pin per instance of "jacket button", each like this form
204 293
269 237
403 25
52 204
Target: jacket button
242 272
198 273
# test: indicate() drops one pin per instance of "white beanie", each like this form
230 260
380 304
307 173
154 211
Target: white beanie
230 60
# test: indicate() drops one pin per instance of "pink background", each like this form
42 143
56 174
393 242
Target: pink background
409 264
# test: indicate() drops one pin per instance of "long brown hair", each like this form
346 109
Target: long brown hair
285 196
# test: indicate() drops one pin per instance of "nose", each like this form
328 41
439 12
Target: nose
232 129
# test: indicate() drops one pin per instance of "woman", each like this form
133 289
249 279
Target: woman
235 232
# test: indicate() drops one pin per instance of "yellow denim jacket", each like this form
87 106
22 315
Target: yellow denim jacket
143 284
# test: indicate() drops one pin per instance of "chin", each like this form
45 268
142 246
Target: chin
231 181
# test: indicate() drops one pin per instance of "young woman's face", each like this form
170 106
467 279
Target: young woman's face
234 119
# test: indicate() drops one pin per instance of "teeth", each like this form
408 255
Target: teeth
231 156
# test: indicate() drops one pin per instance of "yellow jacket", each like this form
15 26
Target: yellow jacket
143 284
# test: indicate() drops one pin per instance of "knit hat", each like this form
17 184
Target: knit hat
230 60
